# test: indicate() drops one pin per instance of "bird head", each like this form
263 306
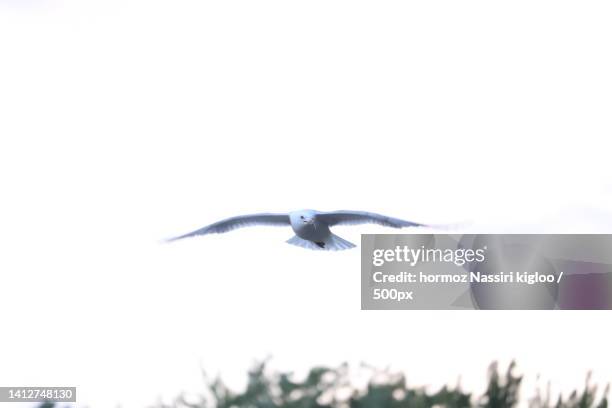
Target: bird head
306 216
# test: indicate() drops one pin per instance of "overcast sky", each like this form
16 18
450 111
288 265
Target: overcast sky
126 122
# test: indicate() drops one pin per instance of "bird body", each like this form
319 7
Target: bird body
306 225
312 228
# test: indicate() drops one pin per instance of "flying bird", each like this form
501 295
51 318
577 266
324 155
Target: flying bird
311 227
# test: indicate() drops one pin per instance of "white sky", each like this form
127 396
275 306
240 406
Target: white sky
125 122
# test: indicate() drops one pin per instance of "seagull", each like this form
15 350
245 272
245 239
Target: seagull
311 227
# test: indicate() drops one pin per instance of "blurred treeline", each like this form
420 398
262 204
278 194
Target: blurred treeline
335 388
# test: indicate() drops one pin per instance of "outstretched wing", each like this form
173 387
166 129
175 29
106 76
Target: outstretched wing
363 217
239 222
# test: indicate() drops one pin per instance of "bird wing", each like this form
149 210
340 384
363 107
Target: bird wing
363 217
238 222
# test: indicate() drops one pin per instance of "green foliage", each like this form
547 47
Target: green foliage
334 388
584 399
501 392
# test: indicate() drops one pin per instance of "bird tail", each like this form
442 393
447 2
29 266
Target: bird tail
302 243
331 243
335 243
